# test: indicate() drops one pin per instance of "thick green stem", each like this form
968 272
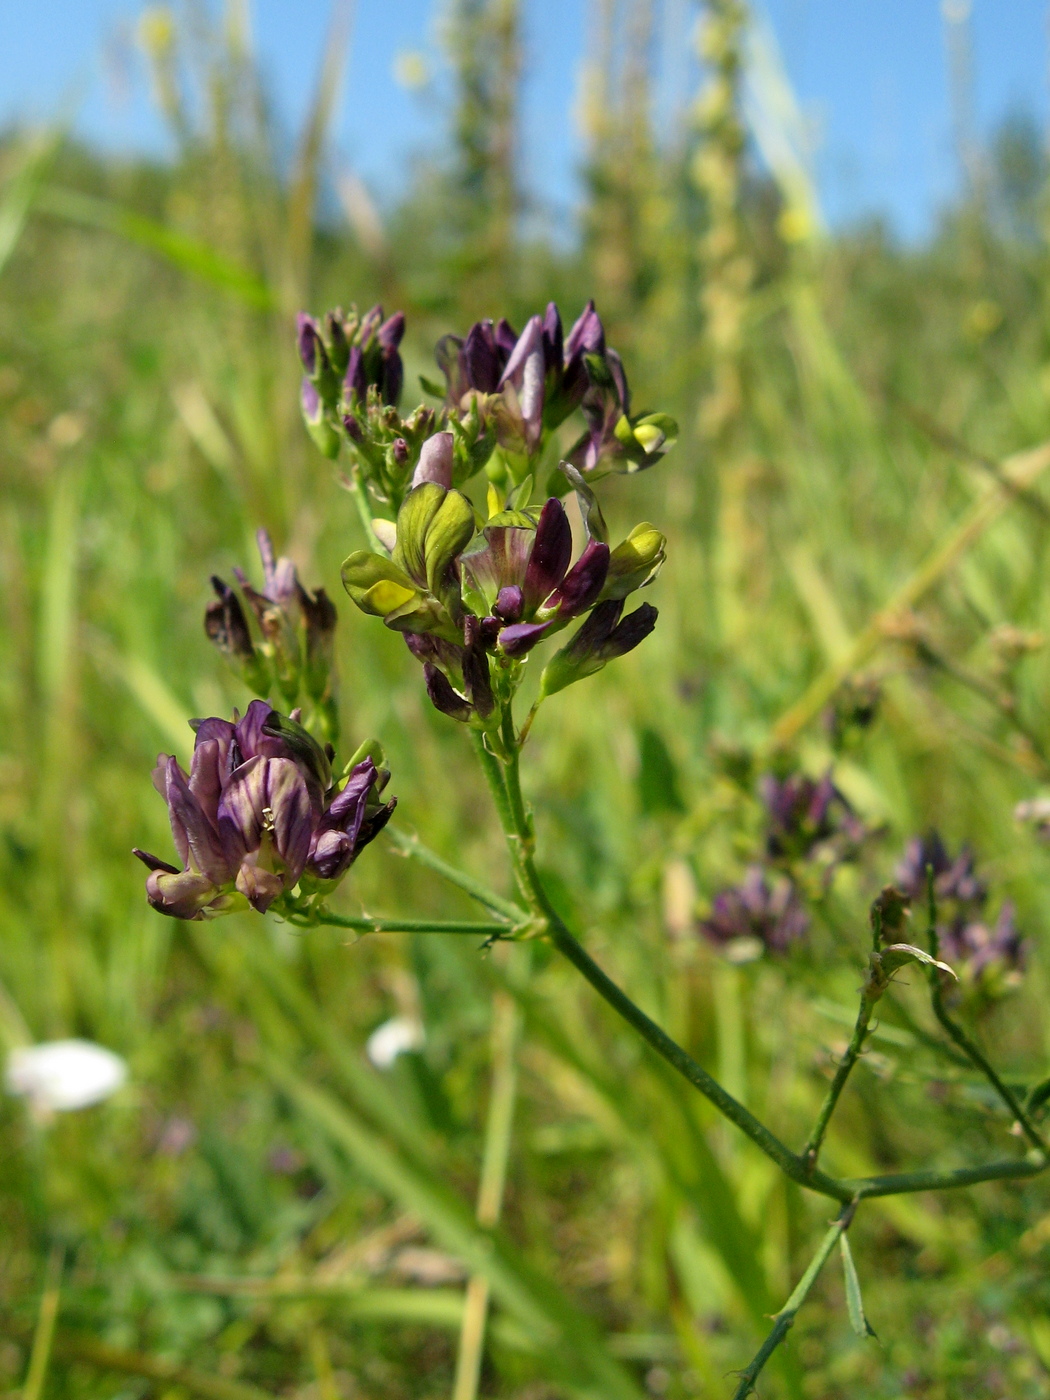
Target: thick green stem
784 1319
903 1183
842 1073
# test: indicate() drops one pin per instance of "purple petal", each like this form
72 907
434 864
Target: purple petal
435 461
522 637
311 350
442 696
259 886
390 332
181 894
506 338
197 841
581 586
310 400
553 344
587 335
355 381
510 603
251 740
482 361
550 556
152 862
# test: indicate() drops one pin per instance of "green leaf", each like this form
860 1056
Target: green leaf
897 955
429 386
589 507
854 1302
22 189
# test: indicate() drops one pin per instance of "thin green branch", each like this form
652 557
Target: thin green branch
842 1073
413 848
785 1318
969 1047
323 918
43 1336
904 1183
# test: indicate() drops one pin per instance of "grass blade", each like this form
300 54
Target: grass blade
570 1342
187 254
22 190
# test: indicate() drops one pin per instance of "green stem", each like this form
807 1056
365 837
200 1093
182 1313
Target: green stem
977 1058
784 1319
412 847
40 1356
322 918
842 1073
364 510
969 1048
904 1183
507 794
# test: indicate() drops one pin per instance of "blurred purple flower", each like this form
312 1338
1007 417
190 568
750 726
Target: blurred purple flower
257 813
806 818
979 951
754 909
952 879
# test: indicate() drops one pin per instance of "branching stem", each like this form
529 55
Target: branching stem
784 1319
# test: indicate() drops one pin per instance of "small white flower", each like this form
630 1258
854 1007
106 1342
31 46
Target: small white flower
60 1075
393 1038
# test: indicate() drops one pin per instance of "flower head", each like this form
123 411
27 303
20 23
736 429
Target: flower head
469 601
258 813
772 914
296 653
808 818
953 879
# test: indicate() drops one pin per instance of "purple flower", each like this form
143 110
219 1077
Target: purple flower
257 813
808 818
521 579
298 633
531 382
754 909
954 880
984 954
374 357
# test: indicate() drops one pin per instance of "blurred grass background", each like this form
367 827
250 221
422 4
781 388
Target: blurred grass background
844 405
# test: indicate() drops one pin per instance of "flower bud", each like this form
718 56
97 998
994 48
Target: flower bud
601 638
227 626
635 562
435 461
318 423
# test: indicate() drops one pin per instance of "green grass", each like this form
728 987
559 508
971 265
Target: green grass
148 424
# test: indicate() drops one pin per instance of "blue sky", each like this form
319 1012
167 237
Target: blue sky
871 77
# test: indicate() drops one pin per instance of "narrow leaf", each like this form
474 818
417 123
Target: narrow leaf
899 954
854 1302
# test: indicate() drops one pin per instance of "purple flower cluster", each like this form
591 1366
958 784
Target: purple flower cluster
809 819
772 913
984 953
257 814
